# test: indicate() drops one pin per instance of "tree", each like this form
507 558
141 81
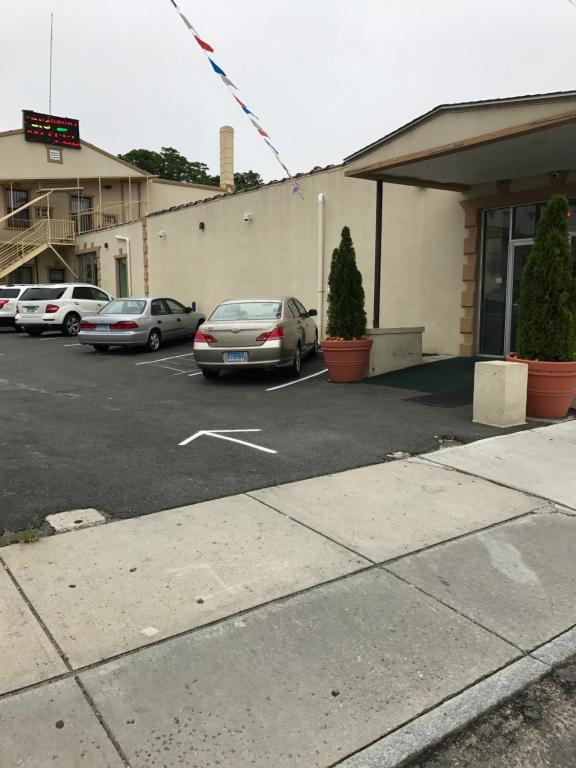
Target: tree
172 165
547 303
346 314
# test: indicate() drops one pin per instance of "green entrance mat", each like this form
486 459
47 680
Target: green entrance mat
441 376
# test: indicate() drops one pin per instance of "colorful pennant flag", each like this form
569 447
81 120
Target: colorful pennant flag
229 83
216 68
204 45
207 48
245 108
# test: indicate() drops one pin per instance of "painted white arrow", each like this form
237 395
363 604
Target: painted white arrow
222 434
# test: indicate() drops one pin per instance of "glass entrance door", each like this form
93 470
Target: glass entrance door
519 257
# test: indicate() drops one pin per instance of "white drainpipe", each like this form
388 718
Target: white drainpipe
320 264
128 260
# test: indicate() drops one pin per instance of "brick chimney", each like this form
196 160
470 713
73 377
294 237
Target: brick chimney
227 158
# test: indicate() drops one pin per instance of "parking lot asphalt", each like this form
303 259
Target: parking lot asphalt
80 429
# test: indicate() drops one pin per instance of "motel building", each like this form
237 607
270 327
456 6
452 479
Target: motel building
442 212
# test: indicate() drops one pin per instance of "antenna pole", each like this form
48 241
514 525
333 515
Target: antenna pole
50 77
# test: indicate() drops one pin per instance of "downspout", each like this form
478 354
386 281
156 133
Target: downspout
377 256
320 279
128 259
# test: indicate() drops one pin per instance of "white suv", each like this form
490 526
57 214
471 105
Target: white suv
58 307
9 295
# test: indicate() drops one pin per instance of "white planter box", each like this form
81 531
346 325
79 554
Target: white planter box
394 348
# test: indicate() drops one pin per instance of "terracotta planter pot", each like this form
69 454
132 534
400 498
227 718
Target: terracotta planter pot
347 361
551 387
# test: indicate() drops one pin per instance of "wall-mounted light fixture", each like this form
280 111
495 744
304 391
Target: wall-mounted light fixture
201 226
106 246
248 217
162 234
106 186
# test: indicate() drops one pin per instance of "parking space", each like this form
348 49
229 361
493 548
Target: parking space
130 432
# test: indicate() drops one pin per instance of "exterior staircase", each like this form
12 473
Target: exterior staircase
29 242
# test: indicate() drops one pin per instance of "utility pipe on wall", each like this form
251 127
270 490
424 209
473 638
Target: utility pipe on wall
320 264
129 261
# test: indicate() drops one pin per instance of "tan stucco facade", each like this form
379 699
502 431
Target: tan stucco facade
277 252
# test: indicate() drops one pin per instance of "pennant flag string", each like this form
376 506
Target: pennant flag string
207 48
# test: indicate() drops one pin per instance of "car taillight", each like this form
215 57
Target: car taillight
124 325
51 308
207 337
275 333
84 326
3 303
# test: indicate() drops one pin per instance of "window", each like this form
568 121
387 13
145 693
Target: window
41 294
300 306
159 307
81 212
22 276
56 275
88 268
248 310
292 308
43 212
82 292
99 295
175 307
9 293
124 307
14 199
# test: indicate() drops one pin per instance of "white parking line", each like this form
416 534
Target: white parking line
73 345
169 368
296 381
198 373
162 359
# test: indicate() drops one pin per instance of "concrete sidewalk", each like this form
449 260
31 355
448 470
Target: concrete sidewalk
348 620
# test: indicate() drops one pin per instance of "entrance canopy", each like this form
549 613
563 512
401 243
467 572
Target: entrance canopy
530 149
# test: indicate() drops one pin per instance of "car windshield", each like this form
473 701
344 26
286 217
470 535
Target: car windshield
35 294
9 293
123 307
248 310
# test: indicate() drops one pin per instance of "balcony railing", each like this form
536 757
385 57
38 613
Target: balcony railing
107 215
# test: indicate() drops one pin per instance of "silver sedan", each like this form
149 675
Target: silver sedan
256 333
147 322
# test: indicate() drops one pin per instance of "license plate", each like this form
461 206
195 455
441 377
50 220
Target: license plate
102 327
236 357
31 309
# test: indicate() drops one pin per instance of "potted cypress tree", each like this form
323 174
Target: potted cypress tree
546 337
346 350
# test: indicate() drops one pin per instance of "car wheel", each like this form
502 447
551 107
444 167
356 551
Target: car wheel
34 331
71 324
208 373
154 340
101 347
296 367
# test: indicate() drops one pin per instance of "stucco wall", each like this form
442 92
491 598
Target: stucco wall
21 159
456 125
277 251
164 195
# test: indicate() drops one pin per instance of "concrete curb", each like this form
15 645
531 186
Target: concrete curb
431 728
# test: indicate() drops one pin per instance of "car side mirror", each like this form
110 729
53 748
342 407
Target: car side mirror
312 313
188 310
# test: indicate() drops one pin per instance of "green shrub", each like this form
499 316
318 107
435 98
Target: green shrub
346 314
547 303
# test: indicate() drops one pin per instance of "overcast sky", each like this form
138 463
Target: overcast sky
325 77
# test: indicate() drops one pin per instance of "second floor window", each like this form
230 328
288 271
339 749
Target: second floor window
14 199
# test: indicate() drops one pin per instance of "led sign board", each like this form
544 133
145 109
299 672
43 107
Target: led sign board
48 129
